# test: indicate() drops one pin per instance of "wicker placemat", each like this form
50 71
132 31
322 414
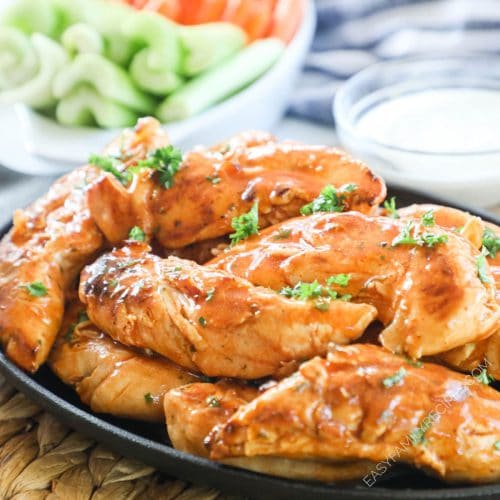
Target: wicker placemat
40 458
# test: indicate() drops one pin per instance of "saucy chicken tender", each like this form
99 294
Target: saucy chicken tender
193 410
209 320
109 377
364 403
43 253
423 281
214 186
485 353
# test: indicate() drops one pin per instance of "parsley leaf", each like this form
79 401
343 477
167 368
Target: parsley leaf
417 436
137 234
109 164
214 179
245 225
430 240
213 401
426 239
81 318
482 268
339 279
166 161
329 200
395 379
390 207
491 243
210 294
314 290
282 234
202 321
496 445
428 219
405 237
36 289
484 377
148 397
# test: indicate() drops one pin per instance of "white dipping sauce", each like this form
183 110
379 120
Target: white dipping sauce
444 120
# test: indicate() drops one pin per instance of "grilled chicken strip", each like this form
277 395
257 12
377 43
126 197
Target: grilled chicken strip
109 377
209 320
213 186
193 410
49 243
485 353
364 403
430 298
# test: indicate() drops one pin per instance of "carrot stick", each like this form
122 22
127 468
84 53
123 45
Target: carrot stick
201 11
286 20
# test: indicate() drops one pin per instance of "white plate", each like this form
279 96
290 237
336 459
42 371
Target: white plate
33 144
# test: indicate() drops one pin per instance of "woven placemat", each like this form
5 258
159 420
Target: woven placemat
40 458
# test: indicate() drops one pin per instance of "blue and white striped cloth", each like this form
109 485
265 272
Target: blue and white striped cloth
352 34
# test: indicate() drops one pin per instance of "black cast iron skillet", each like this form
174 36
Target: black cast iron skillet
149 444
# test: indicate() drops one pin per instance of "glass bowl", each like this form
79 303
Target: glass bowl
428 123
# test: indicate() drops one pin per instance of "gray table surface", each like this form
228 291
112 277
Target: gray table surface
18 190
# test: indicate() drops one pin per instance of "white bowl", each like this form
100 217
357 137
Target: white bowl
410 146
34 144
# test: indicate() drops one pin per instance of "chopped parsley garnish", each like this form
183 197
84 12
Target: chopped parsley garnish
303 291
314 290
213 401
484 377
81 318
322 305
428 219
405 237
491 243
496 445
431 240
426 239
137 234
148 397
36 289
482 268
282 234
214 179
417 436
339 279
245 225
390 207
414 362
202 321
109 164
210 294
394 379
329 200
166 161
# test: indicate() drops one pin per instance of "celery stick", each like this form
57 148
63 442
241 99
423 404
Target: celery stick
37 92
108 18
159 60
109 80
85 107
206 45
18 59
160 82
159 36
222 81
49 17
81 38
